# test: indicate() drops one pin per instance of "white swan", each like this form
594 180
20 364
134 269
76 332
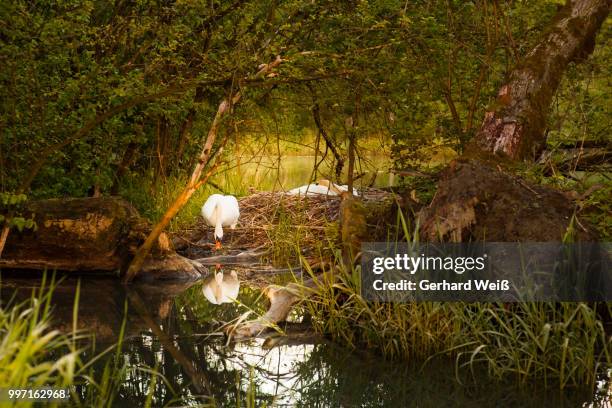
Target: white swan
324 187
219 288
221 211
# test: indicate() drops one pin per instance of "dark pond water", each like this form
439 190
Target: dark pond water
172 329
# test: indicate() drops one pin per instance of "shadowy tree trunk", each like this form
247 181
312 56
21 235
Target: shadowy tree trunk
476 198
123 167
316 114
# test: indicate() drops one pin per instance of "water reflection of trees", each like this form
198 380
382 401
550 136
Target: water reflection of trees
177 346
323 375
173 330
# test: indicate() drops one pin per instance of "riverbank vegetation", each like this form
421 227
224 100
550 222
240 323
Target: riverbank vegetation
37 350
166 102
558 345
32 354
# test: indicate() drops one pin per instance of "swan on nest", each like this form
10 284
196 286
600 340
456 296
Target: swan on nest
321 187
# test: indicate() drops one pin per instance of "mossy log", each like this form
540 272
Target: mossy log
89 235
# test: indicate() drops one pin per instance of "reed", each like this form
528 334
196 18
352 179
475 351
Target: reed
32 354
561 344
557 344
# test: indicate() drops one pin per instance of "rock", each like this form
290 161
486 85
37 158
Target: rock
90 234
172 266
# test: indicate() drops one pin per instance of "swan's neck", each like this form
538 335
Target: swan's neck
218 222
218 291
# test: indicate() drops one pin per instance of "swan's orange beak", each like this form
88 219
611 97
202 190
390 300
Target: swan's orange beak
218 245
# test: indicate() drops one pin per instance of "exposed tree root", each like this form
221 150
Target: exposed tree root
478 201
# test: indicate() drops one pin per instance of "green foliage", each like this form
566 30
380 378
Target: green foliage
117 97
11 212
397 69
598 210
561 345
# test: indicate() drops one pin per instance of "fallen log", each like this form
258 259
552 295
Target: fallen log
90 235
282 299
576 159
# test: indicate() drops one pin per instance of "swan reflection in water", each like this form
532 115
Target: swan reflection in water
221 288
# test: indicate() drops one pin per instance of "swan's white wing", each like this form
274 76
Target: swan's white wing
209 293
311 189
208 209
231 288
344 187
325 190
230 210
299 190
341 187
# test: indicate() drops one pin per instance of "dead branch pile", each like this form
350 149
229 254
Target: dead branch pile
265 217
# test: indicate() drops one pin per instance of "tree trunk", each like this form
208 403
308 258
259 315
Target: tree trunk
476 198
122 168
351 154
3 235
515 125
316 114
184 134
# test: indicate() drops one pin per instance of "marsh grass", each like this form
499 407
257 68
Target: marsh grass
248 398
32 354
556 344
102 385
560 344
285 238
294 234
153 198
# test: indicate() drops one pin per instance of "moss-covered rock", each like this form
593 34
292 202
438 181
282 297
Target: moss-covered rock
86 234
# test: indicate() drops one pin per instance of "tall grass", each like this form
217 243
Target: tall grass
558 344
31 353
153 198
34 354
562 344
